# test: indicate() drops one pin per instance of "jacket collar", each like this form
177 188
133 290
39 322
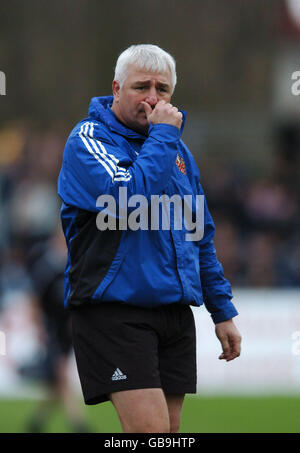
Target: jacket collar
100 110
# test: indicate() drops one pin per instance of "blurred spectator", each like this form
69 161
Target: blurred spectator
287 262
260 270
46 261
223 182
229 245
33 210
32 269
271 205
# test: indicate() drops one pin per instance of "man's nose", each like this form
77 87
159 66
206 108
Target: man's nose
152 99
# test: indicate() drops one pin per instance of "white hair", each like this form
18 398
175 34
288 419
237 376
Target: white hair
145 56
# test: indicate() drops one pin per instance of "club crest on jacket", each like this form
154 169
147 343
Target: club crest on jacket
180 164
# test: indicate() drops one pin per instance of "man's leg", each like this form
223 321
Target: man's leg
142 410
175 403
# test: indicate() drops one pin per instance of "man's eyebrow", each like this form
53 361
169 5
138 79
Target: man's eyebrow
145 82
166 85
139 82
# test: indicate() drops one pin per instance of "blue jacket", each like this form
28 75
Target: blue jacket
144 267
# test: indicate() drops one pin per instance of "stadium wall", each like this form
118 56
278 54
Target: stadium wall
269 322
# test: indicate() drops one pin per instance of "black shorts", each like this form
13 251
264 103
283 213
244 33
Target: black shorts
124 347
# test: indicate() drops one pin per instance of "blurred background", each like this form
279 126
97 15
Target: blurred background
235 63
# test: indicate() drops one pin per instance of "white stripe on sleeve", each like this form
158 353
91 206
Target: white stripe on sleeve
108 161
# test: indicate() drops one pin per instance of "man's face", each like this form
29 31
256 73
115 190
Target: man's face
140 85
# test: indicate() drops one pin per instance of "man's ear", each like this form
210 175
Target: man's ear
116 90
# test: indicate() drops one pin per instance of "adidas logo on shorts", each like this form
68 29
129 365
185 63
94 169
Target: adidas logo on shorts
118 375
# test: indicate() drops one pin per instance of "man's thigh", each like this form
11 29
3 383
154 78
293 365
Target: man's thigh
142 410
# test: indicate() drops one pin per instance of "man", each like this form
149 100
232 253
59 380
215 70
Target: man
130 285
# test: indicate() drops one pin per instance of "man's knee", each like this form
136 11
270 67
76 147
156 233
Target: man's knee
147 426
174 427
174 423
175 403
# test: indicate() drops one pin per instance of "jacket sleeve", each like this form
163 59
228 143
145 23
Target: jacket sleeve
90 167
216 289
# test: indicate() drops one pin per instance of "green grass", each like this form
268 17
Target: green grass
200 415
241 415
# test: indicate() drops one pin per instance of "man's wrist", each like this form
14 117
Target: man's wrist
223 316
163 132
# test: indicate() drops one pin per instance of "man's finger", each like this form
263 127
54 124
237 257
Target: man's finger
230 339
236 347
148 108
231 351
225 347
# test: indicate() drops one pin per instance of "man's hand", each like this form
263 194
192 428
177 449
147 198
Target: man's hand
230 339
163 113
